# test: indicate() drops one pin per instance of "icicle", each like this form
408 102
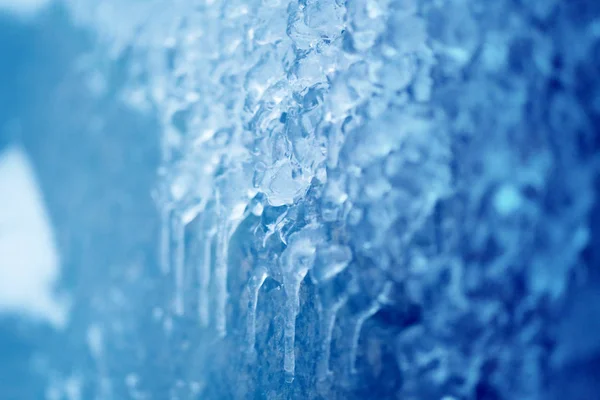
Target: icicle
360 320
165 240
297 259
178 238
328 316
292 289
253 288
221 280
204 280
226 225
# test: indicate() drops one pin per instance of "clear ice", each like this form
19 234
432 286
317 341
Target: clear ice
357 191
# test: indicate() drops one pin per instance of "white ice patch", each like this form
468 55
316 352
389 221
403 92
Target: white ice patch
29 264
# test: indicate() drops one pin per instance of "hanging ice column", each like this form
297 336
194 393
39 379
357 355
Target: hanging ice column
173 253
204 274
327 314
228 220
331 260
180 201
176 215
178 246
362 317
257 279
194 199
220 278
297 259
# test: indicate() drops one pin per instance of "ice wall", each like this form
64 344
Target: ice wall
382 196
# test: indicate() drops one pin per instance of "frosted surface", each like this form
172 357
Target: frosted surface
357 199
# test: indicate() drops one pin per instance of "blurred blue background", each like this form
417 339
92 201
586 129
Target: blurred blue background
94 162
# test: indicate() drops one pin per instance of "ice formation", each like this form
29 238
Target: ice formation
417 172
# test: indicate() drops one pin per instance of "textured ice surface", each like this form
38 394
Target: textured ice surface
381 198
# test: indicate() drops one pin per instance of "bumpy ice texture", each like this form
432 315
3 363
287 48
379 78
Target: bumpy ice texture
367 197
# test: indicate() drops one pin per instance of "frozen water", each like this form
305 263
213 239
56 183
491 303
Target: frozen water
359 198
358 129
23 8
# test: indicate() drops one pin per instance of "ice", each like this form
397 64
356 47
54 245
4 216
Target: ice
253 287
281 188
360 319
204 272
220 278
367 22
296 261
178 232
331 261
397 174
328 314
